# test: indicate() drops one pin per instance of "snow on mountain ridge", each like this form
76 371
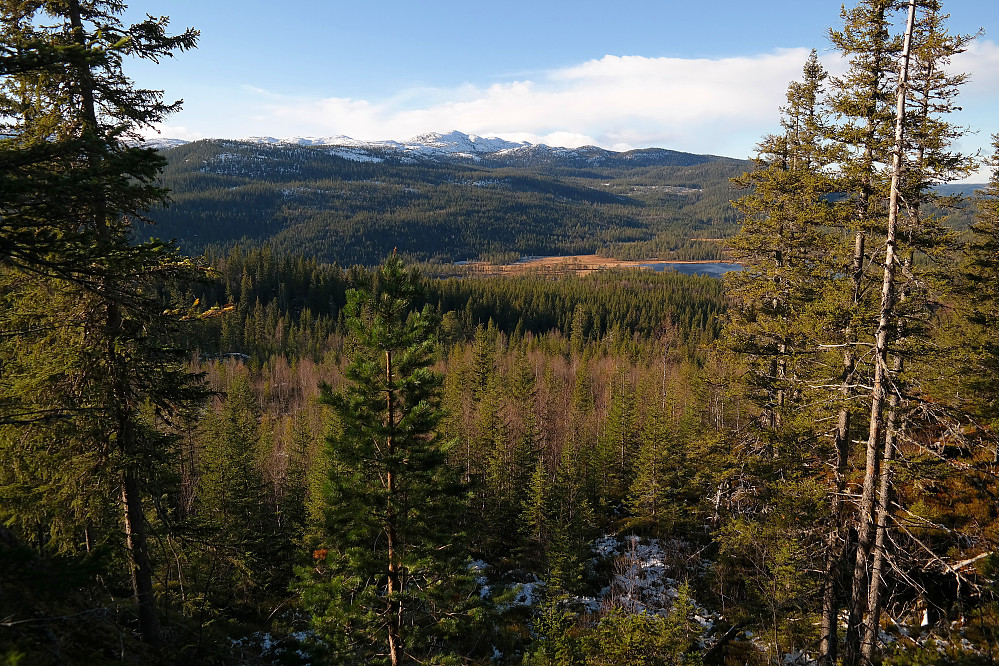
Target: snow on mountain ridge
453 142
458 142
458 145
338 141
161 143
430 144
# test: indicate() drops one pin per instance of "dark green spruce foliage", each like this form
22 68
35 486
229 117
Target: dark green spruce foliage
92 375
838 322
981 278
242 548
390 581
789 259
309 200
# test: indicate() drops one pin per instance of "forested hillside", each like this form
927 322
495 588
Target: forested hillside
315 201
255 454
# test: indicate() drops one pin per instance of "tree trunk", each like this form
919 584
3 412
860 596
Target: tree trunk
119 400
869 639
836 540
859 596
391 536
141 569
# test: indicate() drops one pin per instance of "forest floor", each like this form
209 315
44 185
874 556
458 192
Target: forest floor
578 263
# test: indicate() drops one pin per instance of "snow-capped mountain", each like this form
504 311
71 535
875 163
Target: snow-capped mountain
457 142
460 146
433 143
163 143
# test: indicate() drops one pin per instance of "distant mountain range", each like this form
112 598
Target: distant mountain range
444 197
459 146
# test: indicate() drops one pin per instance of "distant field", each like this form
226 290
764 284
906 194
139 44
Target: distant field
578 264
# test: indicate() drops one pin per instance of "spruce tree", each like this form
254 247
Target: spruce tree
860 283
229 508
390 580
793 273
789 257
69 120
980 272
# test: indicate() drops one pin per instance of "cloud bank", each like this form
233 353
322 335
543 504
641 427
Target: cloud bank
722 106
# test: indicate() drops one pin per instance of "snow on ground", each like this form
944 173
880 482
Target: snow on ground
355 155
528 594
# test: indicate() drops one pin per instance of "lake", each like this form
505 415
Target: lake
713 269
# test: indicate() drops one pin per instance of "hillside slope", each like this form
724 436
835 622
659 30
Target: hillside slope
354 204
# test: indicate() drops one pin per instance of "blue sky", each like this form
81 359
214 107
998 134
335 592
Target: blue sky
704 77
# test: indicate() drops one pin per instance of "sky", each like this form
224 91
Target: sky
704 77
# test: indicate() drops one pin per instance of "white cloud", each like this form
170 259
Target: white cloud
978 100
981 60
617 102
168 131
721 106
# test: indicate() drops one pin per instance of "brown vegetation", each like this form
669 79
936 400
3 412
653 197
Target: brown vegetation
578 264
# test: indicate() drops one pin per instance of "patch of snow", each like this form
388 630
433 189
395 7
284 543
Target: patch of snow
797 658
458 142
528 594
356 155
162 143
608 544
479 567
639 581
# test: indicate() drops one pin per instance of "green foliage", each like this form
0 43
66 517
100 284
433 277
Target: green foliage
78 286
557 639
842 258
647 639
655 497
617 637
389 573
934 653
766 561
980 273
305 200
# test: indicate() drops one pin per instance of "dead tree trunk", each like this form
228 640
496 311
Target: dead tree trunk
867 530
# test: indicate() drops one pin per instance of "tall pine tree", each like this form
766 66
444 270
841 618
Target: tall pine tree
390 580
81 287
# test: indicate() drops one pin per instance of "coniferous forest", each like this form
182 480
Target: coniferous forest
246 453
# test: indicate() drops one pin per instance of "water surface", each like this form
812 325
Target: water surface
716 269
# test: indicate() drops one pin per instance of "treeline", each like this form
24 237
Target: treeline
562 434
292 305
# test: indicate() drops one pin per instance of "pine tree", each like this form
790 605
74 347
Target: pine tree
229 502
390 582
981 288
68 116
858 181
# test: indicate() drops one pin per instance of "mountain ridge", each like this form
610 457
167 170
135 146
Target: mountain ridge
458 145
354 203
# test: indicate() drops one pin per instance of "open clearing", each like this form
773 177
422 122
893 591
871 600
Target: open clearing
577 263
